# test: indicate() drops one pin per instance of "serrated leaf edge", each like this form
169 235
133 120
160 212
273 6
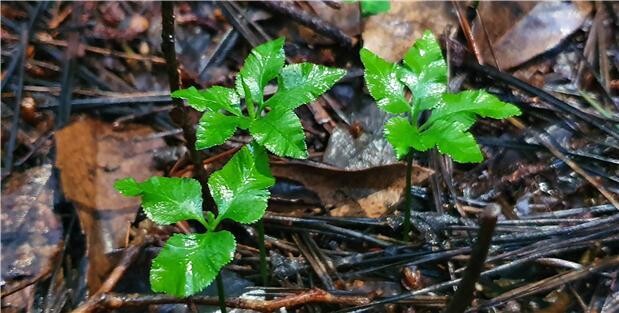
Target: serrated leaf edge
209 282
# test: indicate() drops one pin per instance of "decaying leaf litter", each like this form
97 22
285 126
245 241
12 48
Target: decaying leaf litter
89 93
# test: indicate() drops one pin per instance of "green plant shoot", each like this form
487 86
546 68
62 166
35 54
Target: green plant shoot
372 7
451 115
190 262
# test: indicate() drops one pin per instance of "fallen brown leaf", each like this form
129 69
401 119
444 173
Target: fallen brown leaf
522 30
347 17
391 34
31 234
92 156
372 192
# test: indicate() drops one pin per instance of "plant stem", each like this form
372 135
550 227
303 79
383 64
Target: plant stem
179 114
408 198
263 252
221 294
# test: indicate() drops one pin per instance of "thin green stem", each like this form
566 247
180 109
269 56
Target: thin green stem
408 198
215 223
221 294
263 253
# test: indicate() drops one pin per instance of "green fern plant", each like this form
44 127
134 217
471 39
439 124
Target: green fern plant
189 262
451 115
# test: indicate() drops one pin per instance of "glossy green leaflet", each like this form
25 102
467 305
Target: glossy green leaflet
449 115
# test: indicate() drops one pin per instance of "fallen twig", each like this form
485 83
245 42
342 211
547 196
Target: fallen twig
466 288
129 255
551 282
10 145
44 39
29 28
551 146
111 301
468 33
312 21
63 111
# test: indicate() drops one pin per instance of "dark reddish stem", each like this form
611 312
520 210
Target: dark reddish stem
466 288
179 114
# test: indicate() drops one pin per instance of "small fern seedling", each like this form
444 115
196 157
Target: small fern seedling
451 115
189 262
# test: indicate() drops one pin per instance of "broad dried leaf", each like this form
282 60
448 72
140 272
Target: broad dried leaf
347 18
353 193
92 155
189 263
369 149
519 31
31 232
391 34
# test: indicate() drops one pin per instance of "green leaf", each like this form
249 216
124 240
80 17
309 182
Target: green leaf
240 188
426 56
280 132
471 102
426 73
214 99
262 65
371 7
261 160
215 128
128 187
403 136
449 136
463 120
189 263
452 139
383 84
426 94
166 200
302 83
